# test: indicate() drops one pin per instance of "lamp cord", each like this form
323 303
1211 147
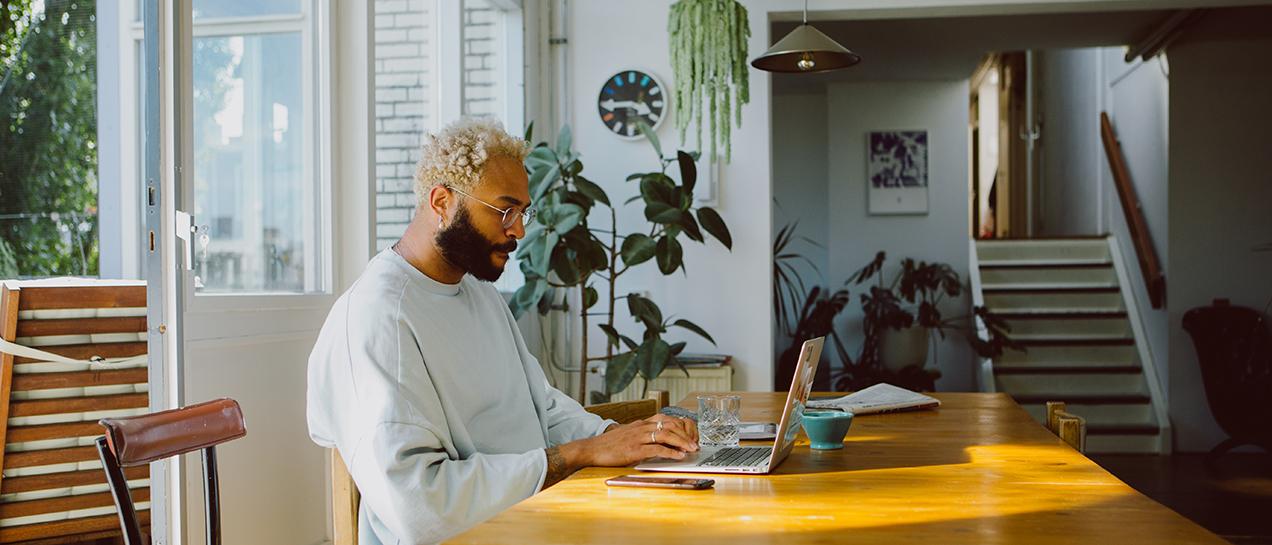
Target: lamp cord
805 11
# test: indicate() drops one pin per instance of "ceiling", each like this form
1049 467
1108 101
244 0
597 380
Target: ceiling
948 48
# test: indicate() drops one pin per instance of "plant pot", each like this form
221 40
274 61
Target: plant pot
901 348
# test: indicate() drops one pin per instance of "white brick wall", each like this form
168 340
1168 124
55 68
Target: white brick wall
404 64
480 61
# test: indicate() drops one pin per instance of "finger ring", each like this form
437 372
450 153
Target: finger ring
653 436
659 425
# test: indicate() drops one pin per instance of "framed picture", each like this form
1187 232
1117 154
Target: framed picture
897 172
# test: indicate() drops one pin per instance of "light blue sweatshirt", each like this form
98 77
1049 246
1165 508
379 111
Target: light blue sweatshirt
429 393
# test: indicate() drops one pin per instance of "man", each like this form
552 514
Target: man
421 379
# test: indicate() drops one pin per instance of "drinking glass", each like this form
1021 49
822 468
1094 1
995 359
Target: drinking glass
718 417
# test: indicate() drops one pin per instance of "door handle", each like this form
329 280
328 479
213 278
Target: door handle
185 230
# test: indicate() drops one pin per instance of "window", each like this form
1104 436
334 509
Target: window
418 90
257 180
405 106
48 139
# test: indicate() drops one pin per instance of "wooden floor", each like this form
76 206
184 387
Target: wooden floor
1235 501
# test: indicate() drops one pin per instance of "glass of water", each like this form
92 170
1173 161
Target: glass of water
718 416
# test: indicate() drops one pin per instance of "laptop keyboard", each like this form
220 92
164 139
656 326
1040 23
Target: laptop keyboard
738 456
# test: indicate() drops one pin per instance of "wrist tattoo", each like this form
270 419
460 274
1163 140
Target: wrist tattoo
557 470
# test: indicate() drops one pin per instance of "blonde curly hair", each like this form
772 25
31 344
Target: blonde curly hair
456 156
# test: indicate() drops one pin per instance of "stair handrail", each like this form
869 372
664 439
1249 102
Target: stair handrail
1150 264
984 365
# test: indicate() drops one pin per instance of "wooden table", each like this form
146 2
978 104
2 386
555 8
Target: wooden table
978 470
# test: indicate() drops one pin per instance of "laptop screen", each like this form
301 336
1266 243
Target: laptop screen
797 398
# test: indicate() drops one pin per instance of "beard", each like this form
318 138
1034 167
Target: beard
465 247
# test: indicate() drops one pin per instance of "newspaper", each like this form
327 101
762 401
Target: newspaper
880 398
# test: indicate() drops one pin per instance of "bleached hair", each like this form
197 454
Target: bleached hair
456 156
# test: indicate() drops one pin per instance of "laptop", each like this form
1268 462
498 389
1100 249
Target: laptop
756 459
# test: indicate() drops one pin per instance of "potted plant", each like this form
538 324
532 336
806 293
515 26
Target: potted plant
901 319
563 251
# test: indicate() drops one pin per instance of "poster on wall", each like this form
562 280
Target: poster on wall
897 168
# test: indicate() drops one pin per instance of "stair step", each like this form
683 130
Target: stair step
1083 399
1072 355
1052 326
1112 415
1122 429
1051 287
1061 314
1107 369
1104 300
1070 384
1044 263
1035 249
1048 276
1073 340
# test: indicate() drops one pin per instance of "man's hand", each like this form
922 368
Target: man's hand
659 436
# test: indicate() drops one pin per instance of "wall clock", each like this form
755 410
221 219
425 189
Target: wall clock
630 95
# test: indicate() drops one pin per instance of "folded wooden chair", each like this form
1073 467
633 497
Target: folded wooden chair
51 485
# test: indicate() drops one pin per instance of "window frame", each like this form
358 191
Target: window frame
313 22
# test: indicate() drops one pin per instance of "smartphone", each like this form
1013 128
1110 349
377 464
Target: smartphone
661 482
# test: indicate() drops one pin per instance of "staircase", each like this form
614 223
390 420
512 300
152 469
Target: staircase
1064 301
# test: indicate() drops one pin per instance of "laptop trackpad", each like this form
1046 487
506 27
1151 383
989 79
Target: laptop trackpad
691 459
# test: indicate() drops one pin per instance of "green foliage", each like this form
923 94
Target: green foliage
911 298
562 250
48 138
709 58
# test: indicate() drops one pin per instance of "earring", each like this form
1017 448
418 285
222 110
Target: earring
439 223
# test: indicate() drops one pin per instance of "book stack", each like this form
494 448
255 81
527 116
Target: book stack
701 361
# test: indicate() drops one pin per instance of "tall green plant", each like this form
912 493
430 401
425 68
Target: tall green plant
48 136
564 251
708 55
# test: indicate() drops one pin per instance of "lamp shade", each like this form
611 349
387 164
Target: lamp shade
804 51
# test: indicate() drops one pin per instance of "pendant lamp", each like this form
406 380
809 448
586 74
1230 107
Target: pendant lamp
805 51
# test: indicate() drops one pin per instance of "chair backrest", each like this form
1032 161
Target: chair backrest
1234 350
148 438
626 412
345 500
51 487
1070 427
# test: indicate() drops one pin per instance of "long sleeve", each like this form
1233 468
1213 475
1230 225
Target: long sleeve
436 408
564 419
567 421
421 495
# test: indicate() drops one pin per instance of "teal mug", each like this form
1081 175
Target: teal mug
826 429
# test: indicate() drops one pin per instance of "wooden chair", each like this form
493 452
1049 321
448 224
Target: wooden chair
345 500
51 485
345 497
626 412
1070 427
140 440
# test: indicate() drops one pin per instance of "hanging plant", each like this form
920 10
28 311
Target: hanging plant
708 55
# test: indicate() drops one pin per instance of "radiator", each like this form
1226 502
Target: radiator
678 386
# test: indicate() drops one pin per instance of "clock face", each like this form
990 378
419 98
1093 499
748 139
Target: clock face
627 96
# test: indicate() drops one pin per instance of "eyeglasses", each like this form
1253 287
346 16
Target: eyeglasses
510 215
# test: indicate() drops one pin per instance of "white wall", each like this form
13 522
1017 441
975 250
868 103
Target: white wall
1220 198
729 293
1136 96
725 292
1069 95
940 107
800 190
